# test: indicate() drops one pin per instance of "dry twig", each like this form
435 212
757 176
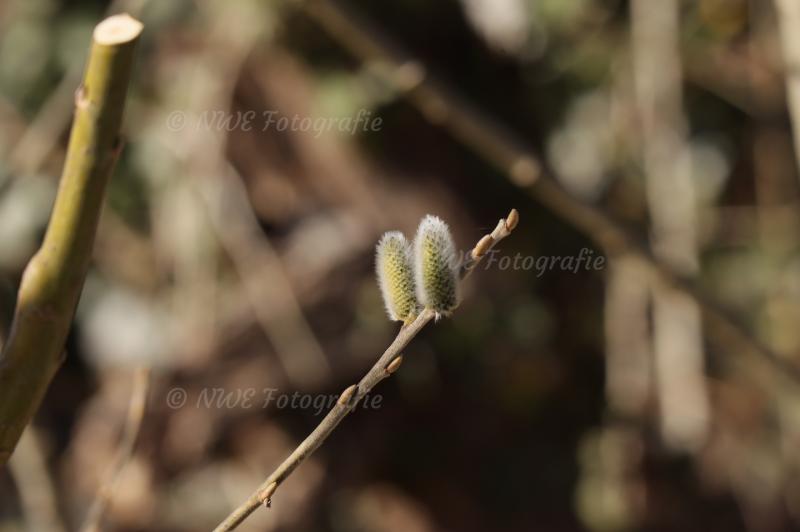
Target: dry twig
34 482
677 339
789 22
133 425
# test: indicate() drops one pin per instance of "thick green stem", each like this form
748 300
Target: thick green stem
52 281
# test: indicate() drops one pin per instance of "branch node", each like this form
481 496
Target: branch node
410 75
265 497
81 97
524 171
347 395
116 148
482 246
394 365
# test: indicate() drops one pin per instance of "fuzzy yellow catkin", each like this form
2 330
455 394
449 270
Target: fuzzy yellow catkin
435 266
396 276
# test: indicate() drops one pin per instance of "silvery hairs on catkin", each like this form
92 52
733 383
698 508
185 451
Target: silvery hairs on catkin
435 266
395 272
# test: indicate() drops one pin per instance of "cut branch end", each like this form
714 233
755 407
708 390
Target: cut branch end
117 29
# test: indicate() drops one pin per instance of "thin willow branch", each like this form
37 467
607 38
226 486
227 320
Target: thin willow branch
34 483
789 25
130 433
679 356
255 260
385 366
52 281
446 108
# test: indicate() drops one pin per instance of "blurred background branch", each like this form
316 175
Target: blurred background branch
679 361
36 486
127 445
235 258
789 25
443 107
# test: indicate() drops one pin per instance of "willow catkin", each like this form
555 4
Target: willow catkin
435 266
396 276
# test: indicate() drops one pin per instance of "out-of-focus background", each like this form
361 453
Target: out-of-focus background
235 256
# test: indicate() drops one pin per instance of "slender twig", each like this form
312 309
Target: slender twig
789 25
385 366
35 484
445 107
53 279
127 444
255 260
271 296
679 377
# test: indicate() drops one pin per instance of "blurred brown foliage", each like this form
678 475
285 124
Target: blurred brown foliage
236 254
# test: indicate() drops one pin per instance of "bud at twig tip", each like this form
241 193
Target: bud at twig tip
512 220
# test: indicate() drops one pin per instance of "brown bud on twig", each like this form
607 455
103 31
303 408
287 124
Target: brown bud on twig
394 365
266 496
347 395
512 220
482 246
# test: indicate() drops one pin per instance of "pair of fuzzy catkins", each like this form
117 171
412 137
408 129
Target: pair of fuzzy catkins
419 275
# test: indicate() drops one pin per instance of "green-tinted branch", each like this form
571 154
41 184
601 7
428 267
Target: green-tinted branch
53 279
